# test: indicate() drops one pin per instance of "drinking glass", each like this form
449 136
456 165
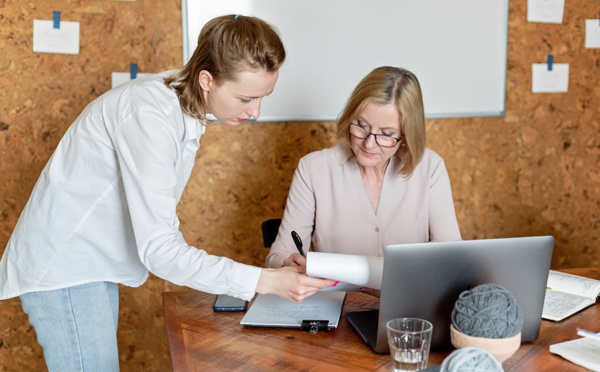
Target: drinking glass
409 340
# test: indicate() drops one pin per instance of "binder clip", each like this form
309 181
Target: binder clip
133 70
56 19
314 326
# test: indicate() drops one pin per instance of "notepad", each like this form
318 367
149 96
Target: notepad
583 351
273 311
567 294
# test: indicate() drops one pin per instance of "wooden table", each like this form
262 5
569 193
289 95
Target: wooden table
203 340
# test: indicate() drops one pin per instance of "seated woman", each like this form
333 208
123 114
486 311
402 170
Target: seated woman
378 186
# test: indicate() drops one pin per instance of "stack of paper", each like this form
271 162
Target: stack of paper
273 311
583 351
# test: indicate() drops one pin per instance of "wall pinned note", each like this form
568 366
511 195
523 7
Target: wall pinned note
545 11
119 78
55 36
546 79
592 33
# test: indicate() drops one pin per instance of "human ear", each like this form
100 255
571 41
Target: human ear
205 79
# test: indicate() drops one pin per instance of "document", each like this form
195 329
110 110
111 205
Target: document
364 271
273 311
546 11
118 78
592 33
566 294
62 40
582 351
544 80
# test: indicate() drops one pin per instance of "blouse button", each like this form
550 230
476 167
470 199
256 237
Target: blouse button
377 229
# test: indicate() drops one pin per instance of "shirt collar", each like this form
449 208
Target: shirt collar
194 128
343 154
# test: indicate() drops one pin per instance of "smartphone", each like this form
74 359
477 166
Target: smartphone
228 303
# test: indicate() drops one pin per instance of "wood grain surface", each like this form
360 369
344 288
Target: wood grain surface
201 340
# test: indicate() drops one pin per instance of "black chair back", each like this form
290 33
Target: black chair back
269 231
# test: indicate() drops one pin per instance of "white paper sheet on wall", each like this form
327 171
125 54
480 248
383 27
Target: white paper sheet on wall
592 33
118 78
63 40
545 11
550 81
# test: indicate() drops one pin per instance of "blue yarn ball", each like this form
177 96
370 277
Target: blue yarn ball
488 311
471 359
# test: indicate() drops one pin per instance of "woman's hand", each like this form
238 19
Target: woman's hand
290 283
295 259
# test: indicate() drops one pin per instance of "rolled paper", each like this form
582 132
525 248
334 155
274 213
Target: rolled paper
364 271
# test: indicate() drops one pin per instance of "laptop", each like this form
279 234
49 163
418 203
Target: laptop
424 280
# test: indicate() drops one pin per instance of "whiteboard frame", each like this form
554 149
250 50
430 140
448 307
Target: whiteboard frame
500 112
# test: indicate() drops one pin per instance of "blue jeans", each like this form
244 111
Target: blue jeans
76 326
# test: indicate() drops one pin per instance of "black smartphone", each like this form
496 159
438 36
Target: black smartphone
228 303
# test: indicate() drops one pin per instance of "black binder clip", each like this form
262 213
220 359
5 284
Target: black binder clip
314 326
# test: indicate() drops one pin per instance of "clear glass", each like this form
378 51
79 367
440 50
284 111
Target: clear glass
409 340
381 139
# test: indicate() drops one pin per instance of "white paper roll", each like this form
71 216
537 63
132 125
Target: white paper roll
364 271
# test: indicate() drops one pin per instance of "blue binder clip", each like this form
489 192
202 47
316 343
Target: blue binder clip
56 18
133 69
550 61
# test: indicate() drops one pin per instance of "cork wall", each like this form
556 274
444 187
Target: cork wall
535 171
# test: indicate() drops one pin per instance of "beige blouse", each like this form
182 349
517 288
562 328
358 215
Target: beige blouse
329 208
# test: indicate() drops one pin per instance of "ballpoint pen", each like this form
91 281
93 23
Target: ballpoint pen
298 242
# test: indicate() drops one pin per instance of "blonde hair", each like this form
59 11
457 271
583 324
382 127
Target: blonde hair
385 85
226 45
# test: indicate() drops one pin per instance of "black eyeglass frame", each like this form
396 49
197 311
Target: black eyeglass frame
369 133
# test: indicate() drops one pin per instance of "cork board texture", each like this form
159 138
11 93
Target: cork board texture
534 172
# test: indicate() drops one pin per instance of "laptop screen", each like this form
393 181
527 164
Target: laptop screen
424 280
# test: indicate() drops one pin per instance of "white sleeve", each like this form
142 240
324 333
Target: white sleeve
147 148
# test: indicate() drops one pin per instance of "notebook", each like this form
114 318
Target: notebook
424 280
272 311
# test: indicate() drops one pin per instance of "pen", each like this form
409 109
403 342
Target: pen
588 334
298 242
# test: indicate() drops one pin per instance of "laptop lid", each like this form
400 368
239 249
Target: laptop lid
424 280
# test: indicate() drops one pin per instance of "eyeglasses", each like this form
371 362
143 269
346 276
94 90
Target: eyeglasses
381 139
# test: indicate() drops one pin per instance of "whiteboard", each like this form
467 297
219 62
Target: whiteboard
457 49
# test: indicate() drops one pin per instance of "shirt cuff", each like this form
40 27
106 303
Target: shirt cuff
245 280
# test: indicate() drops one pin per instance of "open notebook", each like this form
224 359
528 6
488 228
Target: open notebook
324 307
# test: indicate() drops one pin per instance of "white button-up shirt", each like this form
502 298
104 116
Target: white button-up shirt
104 207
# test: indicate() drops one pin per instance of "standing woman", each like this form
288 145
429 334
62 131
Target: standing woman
103 211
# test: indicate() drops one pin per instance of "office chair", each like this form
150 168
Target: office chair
269 231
